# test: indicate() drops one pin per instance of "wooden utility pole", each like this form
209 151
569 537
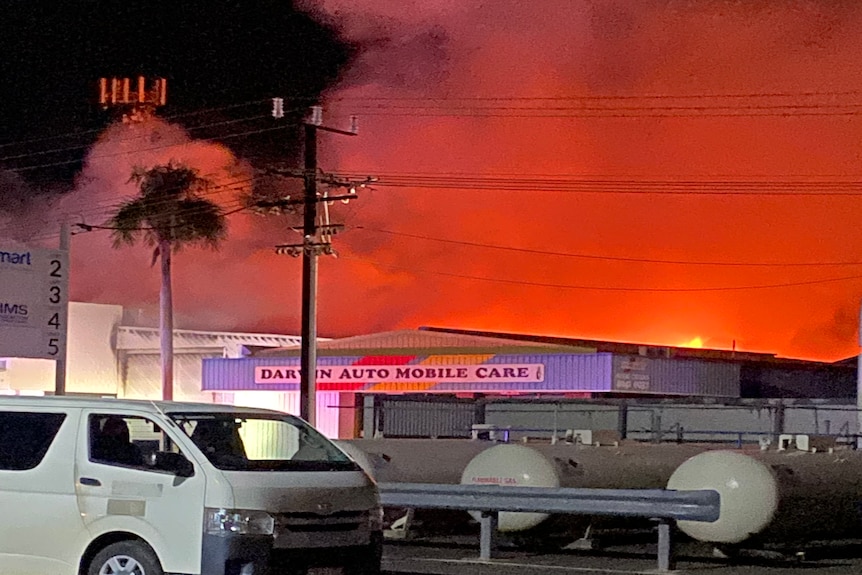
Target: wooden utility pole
308 347
310 248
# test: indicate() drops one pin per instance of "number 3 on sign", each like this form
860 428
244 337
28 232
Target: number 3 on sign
55 294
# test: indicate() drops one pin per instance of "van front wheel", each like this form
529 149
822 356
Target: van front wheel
125 558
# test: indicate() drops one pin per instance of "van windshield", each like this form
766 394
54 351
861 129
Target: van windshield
262 442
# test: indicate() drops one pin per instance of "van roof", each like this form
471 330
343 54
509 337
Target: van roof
146 405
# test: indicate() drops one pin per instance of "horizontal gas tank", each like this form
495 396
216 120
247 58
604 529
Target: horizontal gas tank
633 466
539 464
818 494
791 496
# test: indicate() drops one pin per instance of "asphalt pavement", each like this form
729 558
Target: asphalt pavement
461 559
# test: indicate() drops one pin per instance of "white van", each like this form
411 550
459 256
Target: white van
111 487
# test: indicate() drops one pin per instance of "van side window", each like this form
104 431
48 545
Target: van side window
128 441
25 438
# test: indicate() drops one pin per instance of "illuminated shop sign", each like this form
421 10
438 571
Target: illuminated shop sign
492 373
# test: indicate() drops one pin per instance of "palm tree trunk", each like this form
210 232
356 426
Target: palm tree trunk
166 322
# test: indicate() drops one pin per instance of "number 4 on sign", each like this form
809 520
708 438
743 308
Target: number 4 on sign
55 320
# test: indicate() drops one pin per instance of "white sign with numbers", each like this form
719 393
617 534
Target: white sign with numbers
34 302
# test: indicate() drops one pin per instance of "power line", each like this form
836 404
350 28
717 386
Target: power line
673 177
155 148
169 117
226 211
606 257
508 98
453 103
126 140
619 106
623 186
666 108
608 288
102 211
148 228
781 112
140 137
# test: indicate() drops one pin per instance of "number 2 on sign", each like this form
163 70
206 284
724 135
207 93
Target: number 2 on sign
56 266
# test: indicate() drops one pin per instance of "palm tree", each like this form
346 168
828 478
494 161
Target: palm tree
167 214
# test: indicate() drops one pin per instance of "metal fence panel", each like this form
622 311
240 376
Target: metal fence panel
412 418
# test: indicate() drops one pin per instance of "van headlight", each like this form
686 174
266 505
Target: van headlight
238 521
375 519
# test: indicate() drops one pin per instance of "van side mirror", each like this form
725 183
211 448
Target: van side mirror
175 463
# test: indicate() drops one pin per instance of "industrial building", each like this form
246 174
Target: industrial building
435 382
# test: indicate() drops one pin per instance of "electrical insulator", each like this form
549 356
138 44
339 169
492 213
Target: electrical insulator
278 107
354 125
317 115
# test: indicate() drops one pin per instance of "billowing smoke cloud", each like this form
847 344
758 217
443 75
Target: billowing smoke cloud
20 219
212 290
440 88
428 65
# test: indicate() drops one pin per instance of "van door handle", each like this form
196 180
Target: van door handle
90 481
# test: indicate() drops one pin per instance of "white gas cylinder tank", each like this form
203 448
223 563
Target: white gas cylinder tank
748 489
512 465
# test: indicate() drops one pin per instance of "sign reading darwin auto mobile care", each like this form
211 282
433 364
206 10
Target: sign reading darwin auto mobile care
492 373
34 288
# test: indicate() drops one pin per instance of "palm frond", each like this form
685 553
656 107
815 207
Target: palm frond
169 207
127 223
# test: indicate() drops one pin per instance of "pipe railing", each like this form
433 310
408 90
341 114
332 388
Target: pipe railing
662 505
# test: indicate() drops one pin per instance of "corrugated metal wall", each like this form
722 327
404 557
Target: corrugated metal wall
632 373
268 439
645 421
817 419
542 418
418 418
562 373
327 408
142 377
703 423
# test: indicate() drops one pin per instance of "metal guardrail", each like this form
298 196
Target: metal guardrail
662 505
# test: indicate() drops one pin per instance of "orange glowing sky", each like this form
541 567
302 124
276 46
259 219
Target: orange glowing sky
448 58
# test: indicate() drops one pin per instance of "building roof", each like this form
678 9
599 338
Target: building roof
411 340
648 350
146 340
